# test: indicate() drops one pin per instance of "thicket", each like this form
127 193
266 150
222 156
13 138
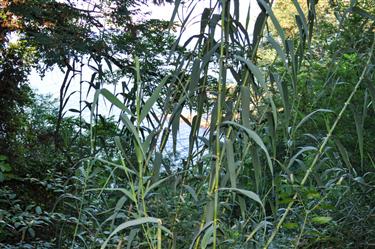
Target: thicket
287 160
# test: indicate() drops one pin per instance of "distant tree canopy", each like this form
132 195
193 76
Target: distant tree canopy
69 34
61 30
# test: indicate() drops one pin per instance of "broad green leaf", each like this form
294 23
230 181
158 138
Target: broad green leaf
5 167
195 75
74 110
109 64
273 123
371 90
253 135
359 129
321 219
311 19
123 190
255 71
302 150
363 13
343 153
207 57
120 203
313 194
290 225
359 119
302 35
131 237
114 100
133 130
262 224
175 128
255 160
274 20
241 31
289 48
246 193
164 139
202 230
192 192
117 165
174 13
156 167
133 223
231 163
274 113
258 28
151 101
149 139
243 208
302 16
205 17
207 237
94 104
215 19
154 185
236 12
245 111
183 24
278 49
283 89
307 117
248 16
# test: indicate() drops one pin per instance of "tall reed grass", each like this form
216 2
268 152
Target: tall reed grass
259 164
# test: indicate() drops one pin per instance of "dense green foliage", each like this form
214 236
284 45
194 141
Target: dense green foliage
286 158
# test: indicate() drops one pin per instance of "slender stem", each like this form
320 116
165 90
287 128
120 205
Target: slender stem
218 121
302 229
